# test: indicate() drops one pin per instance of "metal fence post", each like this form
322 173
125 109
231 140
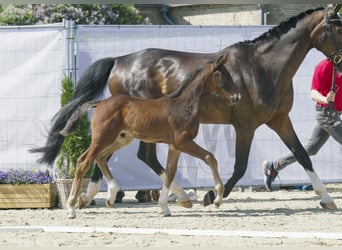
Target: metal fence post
71 49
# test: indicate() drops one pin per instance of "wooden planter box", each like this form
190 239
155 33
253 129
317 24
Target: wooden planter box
28 195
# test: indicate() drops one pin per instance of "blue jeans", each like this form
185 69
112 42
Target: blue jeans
328 123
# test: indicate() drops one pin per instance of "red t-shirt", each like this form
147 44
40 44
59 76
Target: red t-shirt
322 80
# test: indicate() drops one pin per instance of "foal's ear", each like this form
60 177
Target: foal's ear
217 76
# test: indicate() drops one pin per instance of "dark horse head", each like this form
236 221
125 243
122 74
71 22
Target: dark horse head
335 18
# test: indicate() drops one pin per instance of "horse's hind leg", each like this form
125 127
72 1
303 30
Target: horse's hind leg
171 168
93 188
193 149
147 153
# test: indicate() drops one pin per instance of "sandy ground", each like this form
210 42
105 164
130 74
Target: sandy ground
252 211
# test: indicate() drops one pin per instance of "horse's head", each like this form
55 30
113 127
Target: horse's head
327 36
222 83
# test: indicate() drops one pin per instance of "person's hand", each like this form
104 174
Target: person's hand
331 96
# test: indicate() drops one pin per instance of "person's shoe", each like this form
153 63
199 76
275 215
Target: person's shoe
269 174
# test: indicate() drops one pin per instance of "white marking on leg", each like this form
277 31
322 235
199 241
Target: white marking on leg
319 189
113 189
163 203
176 189
71 212
92 190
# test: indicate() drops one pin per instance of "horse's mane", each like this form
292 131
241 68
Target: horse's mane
283 27
188 79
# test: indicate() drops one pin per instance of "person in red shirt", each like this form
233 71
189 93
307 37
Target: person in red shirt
328 122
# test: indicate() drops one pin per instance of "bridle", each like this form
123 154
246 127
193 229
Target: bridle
336 56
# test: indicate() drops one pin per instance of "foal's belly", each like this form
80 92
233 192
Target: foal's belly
150 136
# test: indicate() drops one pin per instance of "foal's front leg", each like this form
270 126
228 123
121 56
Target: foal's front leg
193 149
171 168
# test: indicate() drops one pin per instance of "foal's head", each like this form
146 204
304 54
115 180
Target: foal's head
221 83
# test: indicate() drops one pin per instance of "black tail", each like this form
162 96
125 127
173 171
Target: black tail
90 85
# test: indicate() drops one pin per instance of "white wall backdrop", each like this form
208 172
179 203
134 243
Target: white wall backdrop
32 61
98 42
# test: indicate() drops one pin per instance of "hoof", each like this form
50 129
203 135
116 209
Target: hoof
330 205
71 214
166 211
108 204
186 204
81 203
217 203
209 198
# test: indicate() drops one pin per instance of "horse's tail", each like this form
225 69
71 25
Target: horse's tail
90 85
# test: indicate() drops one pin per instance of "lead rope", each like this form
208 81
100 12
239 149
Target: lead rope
331 110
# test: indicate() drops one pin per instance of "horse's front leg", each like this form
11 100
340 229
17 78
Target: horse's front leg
284 129
171 168
147 153
243 144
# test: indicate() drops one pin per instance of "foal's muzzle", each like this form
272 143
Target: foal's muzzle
233 99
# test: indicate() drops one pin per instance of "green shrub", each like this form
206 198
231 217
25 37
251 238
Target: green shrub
76 143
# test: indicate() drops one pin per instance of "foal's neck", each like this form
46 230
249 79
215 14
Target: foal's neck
194 91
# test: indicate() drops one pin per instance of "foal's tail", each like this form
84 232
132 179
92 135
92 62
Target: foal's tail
75 118
90 85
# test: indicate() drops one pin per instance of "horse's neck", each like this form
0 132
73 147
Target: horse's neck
283 56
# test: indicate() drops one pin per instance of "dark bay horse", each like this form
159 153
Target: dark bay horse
262 69
172 119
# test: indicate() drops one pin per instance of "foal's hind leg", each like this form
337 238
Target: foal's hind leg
83 164
123 139
113 187
92 189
